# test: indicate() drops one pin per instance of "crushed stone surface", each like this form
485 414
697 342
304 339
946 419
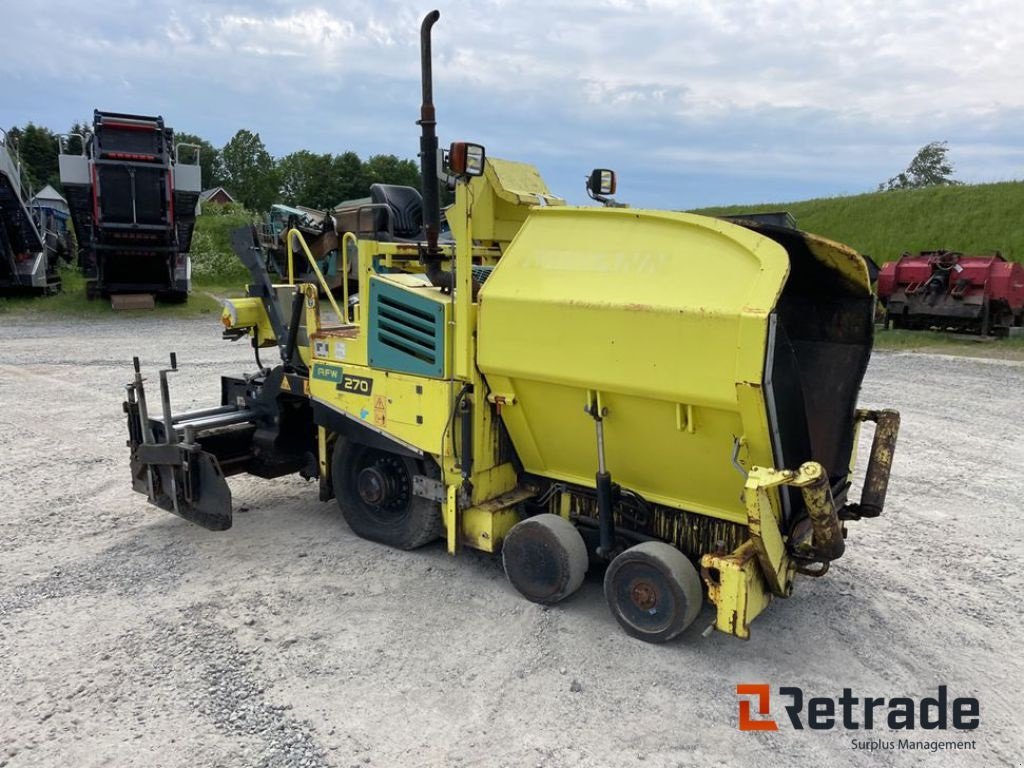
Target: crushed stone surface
129 637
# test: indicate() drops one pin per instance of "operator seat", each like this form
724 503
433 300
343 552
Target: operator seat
405 206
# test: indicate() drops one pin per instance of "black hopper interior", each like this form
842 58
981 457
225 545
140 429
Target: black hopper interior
819 346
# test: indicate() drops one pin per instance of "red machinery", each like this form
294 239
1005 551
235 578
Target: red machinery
946 289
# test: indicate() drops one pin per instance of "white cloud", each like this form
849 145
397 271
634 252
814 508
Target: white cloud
826 90
310 33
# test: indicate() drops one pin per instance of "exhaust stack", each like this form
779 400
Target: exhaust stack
428 161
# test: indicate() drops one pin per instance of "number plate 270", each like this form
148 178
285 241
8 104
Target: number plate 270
357 385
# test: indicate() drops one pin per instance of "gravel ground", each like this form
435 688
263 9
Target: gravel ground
131 638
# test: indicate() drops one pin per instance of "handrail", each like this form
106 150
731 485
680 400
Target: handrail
24 192
64 140
13 152
373 230
292 233
348 236
177 148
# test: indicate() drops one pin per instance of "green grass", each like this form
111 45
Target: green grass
970 218
215 270
973 218
71 301
960 344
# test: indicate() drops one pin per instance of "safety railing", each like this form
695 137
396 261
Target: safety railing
372 209
346 239
293 235
11 165
188 145
64 143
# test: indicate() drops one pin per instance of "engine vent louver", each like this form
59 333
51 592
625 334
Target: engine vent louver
406 331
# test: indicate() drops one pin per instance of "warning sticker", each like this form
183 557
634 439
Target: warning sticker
380 411
340 350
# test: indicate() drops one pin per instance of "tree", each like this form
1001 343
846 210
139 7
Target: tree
323 181
388 169
929 168
209 158
243 164
249 170
37 148
307 179
349 178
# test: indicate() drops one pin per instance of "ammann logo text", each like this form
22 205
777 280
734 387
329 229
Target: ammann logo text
941 712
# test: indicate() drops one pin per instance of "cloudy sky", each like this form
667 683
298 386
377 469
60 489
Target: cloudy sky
694 103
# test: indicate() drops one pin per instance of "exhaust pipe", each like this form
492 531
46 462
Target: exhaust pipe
428 162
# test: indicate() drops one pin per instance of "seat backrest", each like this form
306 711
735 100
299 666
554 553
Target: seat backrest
406 207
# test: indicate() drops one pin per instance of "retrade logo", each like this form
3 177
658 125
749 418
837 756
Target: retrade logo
850 712
764 707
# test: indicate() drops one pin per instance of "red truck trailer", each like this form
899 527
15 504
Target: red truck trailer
945 289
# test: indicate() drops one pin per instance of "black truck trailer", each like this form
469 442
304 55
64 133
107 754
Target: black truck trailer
133 205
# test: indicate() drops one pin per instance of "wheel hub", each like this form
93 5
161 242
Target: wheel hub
653 590
644 595
640 594
376 487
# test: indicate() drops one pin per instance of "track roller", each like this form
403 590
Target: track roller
653 591
545 558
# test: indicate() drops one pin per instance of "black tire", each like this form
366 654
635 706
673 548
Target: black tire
545 558
400 519
653 591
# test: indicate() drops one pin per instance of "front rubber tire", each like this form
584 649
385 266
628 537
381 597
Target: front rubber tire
404 521
653 591
545 558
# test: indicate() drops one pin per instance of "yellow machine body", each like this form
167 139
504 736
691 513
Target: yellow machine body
660 317
669 395
672 326
666 323
414 410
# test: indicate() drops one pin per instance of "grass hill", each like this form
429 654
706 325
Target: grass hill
969 218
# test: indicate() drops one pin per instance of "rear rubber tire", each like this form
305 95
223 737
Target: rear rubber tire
405 522
545 558
653 591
